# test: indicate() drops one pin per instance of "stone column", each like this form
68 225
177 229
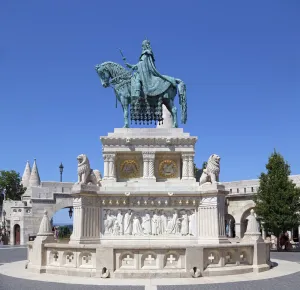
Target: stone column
22 234
12 233
211 215
148 165
191 166
111 170
238 230
185 165
151 160
86 220
106 166
145 165
264 234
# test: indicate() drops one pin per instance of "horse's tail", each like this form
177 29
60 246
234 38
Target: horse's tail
182 100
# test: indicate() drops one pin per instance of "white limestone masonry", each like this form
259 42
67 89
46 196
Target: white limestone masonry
148 217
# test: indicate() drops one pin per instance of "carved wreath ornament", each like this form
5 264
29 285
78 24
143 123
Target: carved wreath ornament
129 169
167 169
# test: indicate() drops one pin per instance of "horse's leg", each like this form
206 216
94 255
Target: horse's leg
126 115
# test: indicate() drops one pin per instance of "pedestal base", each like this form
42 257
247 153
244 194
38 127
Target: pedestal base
79 188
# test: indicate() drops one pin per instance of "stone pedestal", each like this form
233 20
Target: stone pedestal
211 221
86 215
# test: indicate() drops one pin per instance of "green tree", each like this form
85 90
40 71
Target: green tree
277 199
10 181
198 171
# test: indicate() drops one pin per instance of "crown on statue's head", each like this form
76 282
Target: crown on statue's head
146 42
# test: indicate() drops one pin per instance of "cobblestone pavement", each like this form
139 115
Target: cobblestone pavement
10 254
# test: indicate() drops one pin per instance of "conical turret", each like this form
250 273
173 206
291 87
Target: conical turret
34 176
26 175
167 122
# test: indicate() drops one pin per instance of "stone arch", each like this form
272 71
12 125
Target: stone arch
60 204
238 212
230 225
244 220
17 234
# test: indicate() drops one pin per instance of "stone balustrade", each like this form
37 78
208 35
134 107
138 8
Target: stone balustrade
154 261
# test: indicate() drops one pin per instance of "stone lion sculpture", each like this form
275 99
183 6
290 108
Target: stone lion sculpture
86 175
212 171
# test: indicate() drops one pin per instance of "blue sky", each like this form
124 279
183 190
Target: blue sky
240 61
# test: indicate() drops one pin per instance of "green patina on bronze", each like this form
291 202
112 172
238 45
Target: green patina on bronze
144 89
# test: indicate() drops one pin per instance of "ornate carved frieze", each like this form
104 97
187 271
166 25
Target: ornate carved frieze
188 142
149 222
150 201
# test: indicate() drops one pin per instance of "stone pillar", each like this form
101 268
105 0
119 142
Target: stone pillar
145 165
22 234
211 215
264 234
185 165
237 230
191 166
148 165
106 166
151 156
86 215
12 234
111 167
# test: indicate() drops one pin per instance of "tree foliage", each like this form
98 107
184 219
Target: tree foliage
10 181
277 199
198 171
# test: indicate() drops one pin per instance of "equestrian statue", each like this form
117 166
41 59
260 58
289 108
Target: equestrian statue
144 89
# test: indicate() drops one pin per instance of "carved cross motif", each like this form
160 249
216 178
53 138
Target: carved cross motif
128 260
86 258
149 259
171 259
211 258
70 258
55 256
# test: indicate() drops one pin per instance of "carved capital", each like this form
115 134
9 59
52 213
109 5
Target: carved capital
148 155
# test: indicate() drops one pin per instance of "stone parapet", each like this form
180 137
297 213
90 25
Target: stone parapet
142 261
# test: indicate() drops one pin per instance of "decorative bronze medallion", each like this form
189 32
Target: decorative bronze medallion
129 169
167 169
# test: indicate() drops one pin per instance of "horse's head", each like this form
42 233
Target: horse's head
104 74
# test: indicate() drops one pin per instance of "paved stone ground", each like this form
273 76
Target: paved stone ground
9 254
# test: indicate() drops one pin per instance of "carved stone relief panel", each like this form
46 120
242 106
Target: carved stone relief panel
151 222
167 166
129 166
149 259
